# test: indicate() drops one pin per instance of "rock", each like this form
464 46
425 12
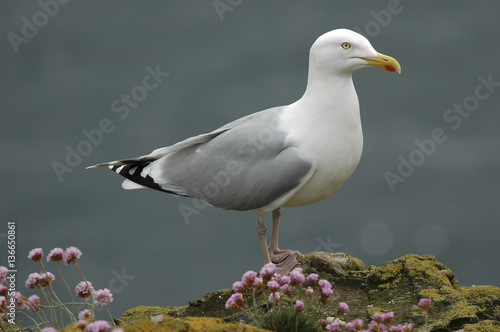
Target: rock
467 308
483 326
335 264
142 311
394 286
191 324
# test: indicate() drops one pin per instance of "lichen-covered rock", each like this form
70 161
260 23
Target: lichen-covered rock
211 304
395 286
336 264
467 306
483 326
142 311
191 324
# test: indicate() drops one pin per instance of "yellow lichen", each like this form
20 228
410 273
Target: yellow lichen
141 311
483 326
191 324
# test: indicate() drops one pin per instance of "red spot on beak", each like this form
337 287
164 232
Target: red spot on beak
389 68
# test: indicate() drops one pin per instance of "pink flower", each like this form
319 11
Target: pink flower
299 306
296 276
46 279
309 291
333 327
377 317
401 328
258 282
48 329
284 280
238 286
407 327
424 304
286 289
34 279
313 278
39 280
84 315
33 303
388 317
323 283
375 326
273 285
3 302
56 254
103 296
398 328
36 254
326 290
98 326
249 278
3 274
267 271
84 289
343 308
236 301
358 324
117 329
349 326
274 297
71 254
19 300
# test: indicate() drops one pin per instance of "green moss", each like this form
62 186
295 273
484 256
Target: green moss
483 326
210 305
466 305
191 324
336 264
142 311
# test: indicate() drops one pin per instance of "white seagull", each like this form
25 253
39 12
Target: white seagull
281 157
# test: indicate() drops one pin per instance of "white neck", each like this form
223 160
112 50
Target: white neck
329 97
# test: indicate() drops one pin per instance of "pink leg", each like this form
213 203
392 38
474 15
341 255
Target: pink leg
285 260
262 232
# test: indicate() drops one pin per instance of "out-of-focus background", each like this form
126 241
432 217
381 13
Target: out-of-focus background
78 89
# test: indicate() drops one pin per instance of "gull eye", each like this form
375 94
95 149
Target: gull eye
346 45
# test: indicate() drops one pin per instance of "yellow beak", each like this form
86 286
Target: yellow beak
384 61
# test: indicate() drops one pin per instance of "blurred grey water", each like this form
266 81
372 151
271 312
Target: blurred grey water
75 92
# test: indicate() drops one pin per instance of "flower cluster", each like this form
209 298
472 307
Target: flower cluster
43 281
281 293
270 281
275 286
40 280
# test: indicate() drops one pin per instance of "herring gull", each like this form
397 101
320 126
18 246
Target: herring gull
284 156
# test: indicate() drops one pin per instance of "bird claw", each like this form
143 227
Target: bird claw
285 260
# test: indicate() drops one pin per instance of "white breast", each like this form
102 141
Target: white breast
329 136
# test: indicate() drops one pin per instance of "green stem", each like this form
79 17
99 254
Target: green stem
49 302
31 318
91 306
110 316
68 312
37 311
67 286
63 307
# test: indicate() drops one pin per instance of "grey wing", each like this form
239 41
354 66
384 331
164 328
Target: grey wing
246 166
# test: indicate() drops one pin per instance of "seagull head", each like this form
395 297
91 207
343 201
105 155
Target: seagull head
343 51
